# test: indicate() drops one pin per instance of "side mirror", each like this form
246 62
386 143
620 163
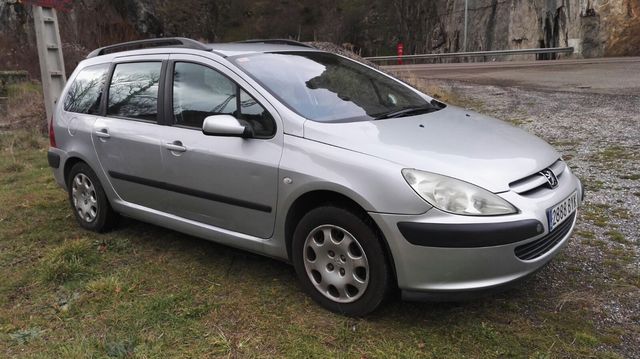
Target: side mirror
225 125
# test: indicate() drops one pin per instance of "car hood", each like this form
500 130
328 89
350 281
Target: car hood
453 142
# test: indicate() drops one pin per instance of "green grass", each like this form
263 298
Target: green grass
633 177
616 158
518 121
142 291
616 236
22 88
613 153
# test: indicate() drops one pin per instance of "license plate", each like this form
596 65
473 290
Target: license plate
563 210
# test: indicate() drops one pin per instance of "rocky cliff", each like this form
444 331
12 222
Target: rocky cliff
593 27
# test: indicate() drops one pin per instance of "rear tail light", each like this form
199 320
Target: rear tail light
52 135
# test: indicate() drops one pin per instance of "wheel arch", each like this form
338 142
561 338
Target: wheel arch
74 159
68 165
316 198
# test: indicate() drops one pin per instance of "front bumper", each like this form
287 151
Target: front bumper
472 254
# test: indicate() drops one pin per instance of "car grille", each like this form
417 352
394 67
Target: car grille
542 245
536 181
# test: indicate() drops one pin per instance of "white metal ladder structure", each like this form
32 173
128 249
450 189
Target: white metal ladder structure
50 55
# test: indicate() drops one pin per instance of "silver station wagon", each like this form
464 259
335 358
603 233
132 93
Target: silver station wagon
363 183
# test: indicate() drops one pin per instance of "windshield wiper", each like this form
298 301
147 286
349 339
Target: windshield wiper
407 111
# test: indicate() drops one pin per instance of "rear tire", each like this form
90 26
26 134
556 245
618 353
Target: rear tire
88 200
340 261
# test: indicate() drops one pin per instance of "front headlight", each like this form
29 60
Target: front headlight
455 196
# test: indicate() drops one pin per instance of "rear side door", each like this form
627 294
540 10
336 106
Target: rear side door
127 139
81 108
228 182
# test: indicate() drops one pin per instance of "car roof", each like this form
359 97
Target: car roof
245 48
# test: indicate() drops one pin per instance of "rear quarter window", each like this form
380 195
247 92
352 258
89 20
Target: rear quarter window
85 92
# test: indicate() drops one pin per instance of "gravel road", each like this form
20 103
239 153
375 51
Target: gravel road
598 134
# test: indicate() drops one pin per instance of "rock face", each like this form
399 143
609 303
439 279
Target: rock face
593 27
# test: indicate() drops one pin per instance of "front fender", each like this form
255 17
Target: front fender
375 184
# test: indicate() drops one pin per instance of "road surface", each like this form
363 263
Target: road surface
606 75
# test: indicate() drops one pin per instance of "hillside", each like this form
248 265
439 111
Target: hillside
596 28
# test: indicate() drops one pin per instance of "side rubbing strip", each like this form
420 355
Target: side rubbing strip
190 192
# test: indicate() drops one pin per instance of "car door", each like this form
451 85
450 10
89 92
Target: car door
127 139
228 182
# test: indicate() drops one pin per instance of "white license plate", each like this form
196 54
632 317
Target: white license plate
563 210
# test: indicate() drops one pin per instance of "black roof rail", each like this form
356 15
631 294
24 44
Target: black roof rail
276 42
150 43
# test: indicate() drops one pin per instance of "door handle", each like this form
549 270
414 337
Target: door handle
175 146
103 133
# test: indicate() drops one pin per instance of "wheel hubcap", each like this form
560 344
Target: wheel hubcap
336 264
84 197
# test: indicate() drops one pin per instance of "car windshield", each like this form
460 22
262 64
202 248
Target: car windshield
325 87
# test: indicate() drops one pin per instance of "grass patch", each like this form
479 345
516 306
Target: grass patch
25 107
108 286
27 88
596 243
14 167
593 185
564 143
613 153
633 177
586 234
616 236
144 291
24 336
519 121
616 158
598 213
71 260
587 339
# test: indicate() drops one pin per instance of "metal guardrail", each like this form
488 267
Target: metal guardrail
550 50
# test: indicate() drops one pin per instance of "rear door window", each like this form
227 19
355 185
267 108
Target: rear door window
85 92
133 92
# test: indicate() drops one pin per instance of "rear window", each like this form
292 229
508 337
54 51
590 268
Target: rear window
86 90
133 92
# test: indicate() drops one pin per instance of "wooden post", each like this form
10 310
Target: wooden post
50 55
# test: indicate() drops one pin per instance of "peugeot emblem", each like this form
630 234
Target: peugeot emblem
551 178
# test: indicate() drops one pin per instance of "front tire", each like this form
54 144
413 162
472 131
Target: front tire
339 258
88 200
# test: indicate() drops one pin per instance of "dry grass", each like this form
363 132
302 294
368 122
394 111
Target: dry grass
439 91
25 108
